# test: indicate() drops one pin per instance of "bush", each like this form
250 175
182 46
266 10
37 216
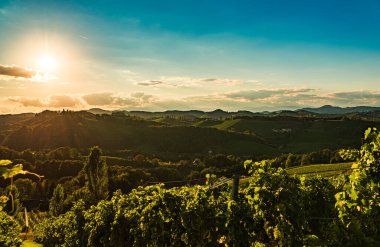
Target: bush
65 230
9 231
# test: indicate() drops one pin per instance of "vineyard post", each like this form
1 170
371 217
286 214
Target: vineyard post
235 187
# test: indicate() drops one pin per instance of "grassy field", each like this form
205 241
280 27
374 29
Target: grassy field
324 170
227 124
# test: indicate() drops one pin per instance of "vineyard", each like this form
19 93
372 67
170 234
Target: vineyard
275 207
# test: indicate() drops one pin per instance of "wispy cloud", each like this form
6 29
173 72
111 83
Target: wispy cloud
111 100
192 82
83 37
129 72
16 71
55 101
356 97
253 95
150 83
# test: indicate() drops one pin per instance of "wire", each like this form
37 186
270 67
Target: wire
220 183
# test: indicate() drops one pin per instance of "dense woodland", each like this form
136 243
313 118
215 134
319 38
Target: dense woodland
121 180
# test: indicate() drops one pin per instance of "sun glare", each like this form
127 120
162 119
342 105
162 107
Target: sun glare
47 63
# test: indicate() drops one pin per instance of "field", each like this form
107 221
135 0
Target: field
323 170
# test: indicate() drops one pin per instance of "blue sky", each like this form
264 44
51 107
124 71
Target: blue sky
159 55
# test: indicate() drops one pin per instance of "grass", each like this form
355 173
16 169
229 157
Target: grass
227 124
324 170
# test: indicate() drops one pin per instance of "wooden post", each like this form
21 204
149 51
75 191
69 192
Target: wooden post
235 187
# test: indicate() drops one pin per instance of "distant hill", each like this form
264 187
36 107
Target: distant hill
175 134
192 114
221 114
99 111
328 109
84 129
168 114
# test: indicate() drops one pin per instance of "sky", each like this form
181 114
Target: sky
181 54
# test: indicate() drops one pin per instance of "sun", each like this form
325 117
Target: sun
47 63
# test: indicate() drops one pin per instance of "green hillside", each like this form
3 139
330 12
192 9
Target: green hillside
83 130
247 136
294 135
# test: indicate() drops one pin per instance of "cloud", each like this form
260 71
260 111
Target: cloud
28 102
56 101
257 100
99 99
356 97
301 97
63 101
210 79
150 83
201 82
16 71
188 82
253 95
129 72
111 100
83 37
185 82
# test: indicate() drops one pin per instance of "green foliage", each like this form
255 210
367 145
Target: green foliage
13 205
8 172
359 202
151 216
9 228
9 231
96 170
273 210
56 206
275 202
65 230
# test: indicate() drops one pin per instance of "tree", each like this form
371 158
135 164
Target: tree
56 205
291 161
96 170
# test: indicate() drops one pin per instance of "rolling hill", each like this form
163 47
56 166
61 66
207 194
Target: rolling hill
83 129
244 136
